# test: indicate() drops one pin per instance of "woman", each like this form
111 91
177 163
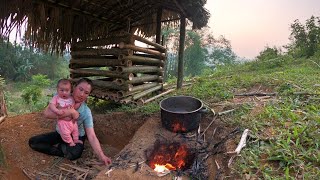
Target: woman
52 144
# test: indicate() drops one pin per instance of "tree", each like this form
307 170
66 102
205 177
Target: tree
195 54
19 63
305 39
220 52
201 50
268 53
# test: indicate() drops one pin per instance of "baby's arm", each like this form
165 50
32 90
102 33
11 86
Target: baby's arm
54 109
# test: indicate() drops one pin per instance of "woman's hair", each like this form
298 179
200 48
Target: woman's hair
84 80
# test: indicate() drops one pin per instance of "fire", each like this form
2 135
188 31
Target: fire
163 168
168 157
176 126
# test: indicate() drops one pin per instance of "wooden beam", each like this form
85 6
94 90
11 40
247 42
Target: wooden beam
181 52
156 45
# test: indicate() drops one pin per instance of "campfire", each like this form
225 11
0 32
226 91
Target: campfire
167 157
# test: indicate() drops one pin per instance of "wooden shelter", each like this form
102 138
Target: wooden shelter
101 34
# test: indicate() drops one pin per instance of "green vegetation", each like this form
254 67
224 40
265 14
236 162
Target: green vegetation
285 137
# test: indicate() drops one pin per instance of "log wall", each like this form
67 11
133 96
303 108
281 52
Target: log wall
120 70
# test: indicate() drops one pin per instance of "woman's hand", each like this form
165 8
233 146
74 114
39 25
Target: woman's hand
67 113
106 160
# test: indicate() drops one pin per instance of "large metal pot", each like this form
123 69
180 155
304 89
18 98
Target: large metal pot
181 113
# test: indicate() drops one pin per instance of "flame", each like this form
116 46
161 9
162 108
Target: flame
181 155
169 157
178 127
163 168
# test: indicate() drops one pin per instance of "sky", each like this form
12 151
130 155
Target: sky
251 25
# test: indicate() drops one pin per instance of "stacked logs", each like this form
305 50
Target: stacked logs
120 70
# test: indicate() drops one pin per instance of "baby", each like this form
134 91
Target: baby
63 100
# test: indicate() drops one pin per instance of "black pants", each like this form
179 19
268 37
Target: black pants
52 144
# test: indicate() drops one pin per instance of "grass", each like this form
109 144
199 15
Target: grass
291 148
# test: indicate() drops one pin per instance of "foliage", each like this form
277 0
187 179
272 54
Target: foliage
305 39
194 57
268 53
201 50
220 52
33 92
19 63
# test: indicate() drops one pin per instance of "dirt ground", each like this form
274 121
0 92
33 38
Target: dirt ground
114 130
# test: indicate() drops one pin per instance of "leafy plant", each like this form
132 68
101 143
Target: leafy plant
33 93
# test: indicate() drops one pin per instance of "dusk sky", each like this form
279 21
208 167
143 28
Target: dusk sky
251 25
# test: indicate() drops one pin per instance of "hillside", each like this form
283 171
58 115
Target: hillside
276 99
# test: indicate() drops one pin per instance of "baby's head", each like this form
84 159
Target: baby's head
64 88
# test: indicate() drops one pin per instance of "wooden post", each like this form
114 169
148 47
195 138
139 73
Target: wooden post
181 51
158 30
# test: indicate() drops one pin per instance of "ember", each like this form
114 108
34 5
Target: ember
170 157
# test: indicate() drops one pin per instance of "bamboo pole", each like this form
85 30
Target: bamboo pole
150 56
94 52
138 69
112 85
122 94
143 87
126 100
139 102
122 45
139 80
146 92
145 78
98 62
156 45
105 41
142 60
157 96
95 72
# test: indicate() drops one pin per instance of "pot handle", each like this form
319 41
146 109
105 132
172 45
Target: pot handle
206 109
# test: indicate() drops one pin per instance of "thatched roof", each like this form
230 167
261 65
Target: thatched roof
54 23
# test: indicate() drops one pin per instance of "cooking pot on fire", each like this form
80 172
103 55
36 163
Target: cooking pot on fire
181 113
